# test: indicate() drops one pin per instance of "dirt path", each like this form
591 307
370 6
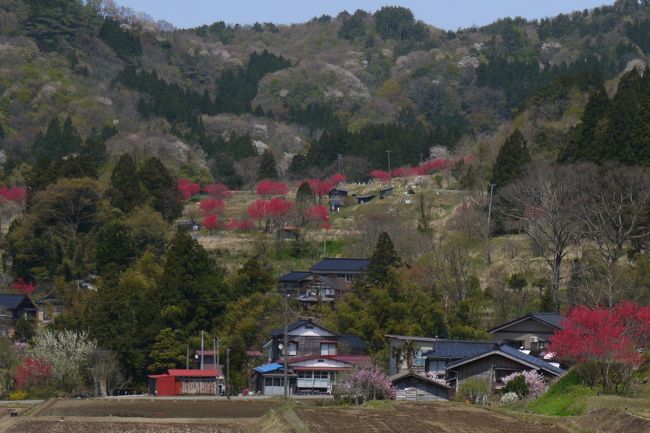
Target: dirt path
417 418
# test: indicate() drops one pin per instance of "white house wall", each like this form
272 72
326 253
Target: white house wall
314 332
327 363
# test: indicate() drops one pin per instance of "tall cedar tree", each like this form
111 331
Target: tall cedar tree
512 157
383 259
191 286
114 249
126 193
268 168
160 185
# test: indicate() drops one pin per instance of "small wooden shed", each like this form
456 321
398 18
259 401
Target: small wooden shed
365 198
385 192
417 387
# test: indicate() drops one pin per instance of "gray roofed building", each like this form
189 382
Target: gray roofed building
340 265
532 331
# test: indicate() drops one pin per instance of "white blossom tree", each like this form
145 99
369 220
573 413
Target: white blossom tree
69 353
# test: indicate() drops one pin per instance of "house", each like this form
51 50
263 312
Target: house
326 281
416 386
48 308
496 363
335 204
444 352
315 358
186 382
312 374
343 270
294 282
12 308
531 332
361 199
338 192
385 192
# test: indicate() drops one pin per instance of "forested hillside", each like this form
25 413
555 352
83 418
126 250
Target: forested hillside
118 133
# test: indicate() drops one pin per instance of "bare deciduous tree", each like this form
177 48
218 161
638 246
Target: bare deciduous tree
543 205
613 208
106 372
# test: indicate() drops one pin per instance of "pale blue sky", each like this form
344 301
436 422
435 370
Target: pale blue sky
440 13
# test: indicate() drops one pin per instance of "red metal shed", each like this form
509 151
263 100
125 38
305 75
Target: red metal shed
183 382
163 384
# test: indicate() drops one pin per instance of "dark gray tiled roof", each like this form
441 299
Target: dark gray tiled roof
341 265
457 349
514 353
294 277
551 318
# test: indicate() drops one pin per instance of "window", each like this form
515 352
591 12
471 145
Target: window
349 278
293 348
328 349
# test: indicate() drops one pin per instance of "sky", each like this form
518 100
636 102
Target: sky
449 15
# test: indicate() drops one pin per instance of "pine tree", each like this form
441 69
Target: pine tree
268 168
383 259
126 193
511 159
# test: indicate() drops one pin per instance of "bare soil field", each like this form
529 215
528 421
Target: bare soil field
159 408
417 418
28 425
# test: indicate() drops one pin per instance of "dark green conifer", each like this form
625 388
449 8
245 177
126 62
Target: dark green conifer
268 168
126 193
511 159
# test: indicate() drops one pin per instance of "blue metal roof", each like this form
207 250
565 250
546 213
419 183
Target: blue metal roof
457 349
266 368
12 301
294 277
341 265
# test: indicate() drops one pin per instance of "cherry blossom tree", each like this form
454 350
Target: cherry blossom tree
33 372
24 287
380 175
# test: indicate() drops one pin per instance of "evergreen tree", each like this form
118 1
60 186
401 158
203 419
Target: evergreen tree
191 286
160 185
125 192
113 248
511 159
254 277
383 259
3 134
168 352
305 195
268 168
223 170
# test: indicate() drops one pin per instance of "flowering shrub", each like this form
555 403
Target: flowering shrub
218 191
336 178
509 397
370 383
210 222
533 381
271 187
187 188
23 286
212 205
380 175
16 194
33 372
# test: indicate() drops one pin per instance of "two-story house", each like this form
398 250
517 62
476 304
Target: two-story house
315 356
530 332
12 308
326 281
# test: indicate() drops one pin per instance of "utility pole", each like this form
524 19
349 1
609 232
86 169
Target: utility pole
187 357
487 231
421 158
217 351
390 177
202 350
228 373
286 346
214 352
339 156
